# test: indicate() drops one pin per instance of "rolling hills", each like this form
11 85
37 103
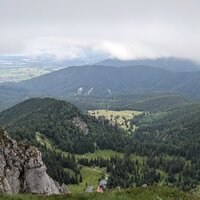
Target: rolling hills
100 81
96 80
140 102
106 81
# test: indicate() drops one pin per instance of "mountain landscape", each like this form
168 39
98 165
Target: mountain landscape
133 150
56 127
67 137
99 100
102 81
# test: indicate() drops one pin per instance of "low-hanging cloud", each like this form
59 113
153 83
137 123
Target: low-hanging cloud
126 29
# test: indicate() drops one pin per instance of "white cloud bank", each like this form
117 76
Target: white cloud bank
63 48
126 29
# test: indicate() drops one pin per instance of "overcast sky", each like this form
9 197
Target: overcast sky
125 29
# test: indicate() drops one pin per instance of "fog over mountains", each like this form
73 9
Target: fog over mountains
170 63
15 68
100 95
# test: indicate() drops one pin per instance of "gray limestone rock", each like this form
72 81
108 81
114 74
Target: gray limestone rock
22 170
81 124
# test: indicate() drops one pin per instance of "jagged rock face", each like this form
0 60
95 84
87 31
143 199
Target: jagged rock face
23 171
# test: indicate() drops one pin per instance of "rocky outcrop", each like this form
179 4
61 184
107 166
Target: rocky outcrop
81 124
23 171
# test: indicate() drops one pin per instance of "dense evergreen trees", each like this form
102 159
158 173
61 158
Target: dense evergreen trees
57 164
53 120
167 141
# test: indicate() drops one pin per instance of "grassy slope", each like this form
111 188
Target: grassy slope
154 193
90 175
90 178
117 117
100 153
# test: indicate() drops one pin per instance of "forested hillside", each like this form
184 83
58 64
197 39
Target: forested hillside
63 127
62 123
163 150
100 82
174 133
141 102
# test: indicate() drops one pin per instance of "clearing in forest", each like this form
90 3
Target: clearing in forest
121 118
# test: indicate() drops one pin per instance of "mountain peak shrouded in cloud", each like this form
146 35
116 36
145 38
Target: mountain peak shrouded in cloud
167 63
128 29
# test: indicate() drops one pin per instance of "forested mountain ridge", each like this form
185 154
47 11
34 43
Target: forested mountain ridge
56 120
95 79
102 81
141 102
56 126
106 81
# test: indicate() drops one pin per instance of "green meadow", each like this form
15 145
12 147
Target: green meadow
152 193
121 118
